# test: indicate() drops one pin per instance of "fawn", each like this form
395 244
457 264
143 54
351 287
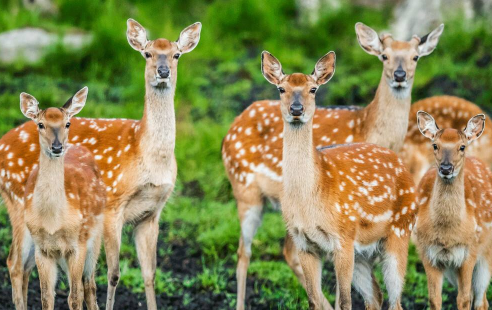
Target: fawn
454 221
353 202
449 112
252 149
136 157
64 204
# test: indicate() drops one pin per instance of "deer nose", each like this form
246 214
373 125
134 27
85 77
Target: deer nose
400 75
57 148
296 109
163 72
446 169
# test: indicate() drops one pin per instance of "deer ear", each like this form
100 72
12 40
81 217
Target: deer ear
189 38
475 127
271 68
429 42
368 39
427 125
136 35
75 104
29 106
324 68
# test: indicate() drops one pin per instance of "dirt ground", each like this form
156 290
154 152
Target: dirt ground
183 266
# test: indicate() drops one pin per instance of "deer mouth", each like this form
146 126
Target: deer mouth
52 154
161 82
399 85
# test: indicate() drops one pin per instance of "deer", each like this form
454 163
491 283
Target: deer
449 112
64 204
135 157
252 148
354 203
453 231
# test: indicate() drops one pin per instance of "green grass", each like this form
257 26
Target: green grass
216 82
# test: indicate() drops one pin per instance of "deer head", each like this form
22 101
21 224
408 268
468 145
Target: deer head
162 55
450 144
399 57
297 90
53 123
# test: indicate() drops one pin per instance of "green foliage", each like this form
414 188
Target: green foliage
216 82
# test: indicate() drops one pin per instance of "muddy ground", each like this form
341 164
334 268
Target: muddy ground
184 265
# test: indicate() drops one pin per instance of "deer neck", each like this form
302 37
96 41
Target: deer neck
49 200
448 201
386 117
158 134
299 165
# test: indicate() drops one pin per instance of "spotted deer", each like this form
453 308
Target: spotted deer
352 202
454 225
449 112
252 148
136 157
61 220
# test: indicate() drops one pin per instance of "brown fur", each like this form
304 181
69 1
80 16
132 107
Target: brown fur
136 159
353 202
449 112
454 226
60 216
252 148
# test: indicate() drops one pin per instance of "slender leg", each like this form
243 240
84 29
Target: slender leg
344 269
434 283
16 263
16 270
481 280
113 224
76 264
292 258
47 279
250 216
146 234
394 268
465 273
365 283
311 266
90 296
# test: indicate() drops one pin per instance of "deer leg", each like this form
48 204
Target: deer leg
292 259
113 225
344 270
89 281
21 256
481 280
394 268
76 264
365 283
465 274
250 216
311 266
146 234
434 283
47 279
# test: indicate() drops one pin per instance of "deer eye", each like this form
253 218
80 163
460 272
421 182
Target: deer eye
40 125
313 90
462 148
434 146
281 90
177 55
67 125
416 58
384 57
148 55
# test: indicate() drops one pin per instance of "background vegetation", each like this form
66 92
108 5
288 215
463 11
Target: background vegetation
199 230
